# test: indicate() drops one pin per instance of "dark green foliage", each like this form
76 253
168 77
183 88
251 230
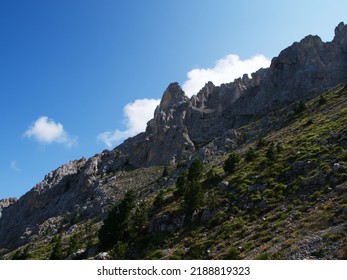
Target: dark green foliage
156 254
213 178
299 107
181 183
159 200
120 250
141 216
177 254
22 254
195 170
271 151
322 100
232 254
309 122
344 255
75 218
199 250
189 185
263 256
74 244
193 198
165 171
180 164
251 154
57 253
231 162
261 143
117 224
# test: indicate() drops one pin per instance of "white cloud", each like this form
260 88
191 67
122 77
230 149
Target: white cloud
47 131
136 116
225 70
14 166
139 112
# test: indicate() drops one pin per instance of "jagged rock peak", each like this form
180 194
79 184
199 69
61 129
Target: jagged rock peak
7 202
173 95
200 98
340 34
207 89
311 41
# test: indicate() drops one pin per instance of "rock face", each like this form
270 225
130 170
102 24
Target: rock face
180 127
61 192
7 202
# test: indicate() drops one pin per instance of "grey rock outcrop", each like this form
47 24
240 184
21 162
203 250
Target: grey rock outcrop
181 125
61 192
7 202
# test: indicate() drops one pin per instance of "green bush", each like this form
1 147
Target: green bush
141 216
322 100
22 254
120 249
263 256
231 162
195 170
199 250
156 255
75 218
177 255
261 143
344 255
165 171
299 107
213 178
232 254
271 151
181 183
74 244
251 154
57 253
158 200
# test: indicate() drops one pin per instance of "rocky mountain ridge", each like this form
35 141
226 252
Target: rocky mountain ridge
180 125
206 124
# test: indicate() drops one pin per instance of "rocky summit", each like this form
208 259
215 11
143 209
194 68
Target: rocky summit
220 175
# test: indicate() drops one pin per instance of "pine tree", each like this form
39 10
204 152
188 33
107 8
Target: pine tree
117 224
181 183
231 162
193 194
195 170
193 198
57 253
165 171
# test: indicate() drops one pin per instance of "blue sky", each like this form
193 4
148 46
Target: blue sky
78 76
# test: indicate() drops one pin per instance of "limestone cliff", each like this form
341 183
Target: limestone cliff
181 125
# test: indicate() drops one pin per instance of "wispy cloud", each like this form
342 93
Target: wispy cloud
225 70
14 166
47 131
136 116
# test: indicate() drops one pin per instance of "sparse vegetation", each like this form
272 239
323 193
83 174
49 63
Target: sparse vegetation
268 199
57 253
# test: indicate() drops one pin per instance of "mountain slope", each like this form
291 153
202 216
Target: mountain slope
290 181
